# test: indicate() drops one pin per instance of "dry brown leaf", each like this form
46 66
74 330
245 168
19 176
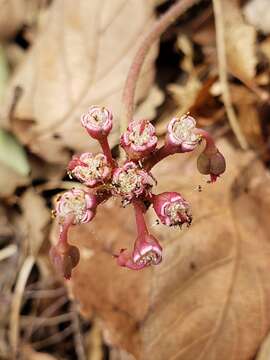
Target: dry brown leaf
35 218
12 16
240 42
265 47
80 57
264 353
185 95
28 353
148 109
208 299
118 354
248 116
257 14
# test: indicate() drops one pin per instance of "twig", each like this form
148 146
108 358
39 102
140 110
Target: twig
51 293
45 321
151 37
8 251
77 333
16 302
50 310
222 66
53 339
94 342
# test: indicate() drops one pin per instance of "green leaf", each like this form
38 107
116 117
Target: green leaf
13 154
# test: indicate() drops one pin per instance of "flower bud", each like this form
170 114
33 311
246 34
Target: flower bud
147 252
212 164
65 261
76 204
181 134
139 140
130 181
97 121
90 169
172 209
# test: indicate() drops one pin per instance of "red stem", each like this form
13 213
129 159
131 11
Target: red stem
62 244
210 146
157 156
153 35
106 150
139 209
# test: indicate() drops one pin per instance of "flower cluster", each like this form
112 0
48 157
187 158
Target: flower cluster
132 181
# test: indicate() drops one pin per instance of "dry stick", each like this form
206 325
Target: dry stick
222 66
16 303
153 35
77 333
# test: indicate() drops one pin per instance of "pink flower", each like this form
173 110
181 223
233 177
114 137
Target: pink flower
172 209
64 260
90 169
97 121
147 251
130 181
211 163
139 140
76 204
181 134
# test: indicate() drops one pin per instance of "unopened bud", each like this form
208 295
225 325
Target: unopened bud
97 121
211 164
65 261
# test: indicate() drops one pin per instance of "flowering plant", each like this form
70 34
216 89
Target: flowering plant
132 181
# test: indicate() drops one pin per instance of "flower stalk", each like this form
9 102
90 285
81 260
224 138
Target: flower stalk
158 28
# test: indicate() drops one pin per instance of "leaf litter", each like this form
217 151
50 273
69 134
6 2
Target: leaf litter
211 291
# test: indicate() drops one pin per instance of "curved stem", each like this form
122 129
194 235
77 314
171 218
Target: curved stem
62 244
210 146
157 156
139 209
153 35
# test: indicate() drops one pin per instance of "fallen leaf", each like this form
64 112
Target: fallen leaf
210 293
148 109
265 48
12 17
264 352
12 153
240 41
35 219
257 14
77 60
118 354
248 116
28 353
185 95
